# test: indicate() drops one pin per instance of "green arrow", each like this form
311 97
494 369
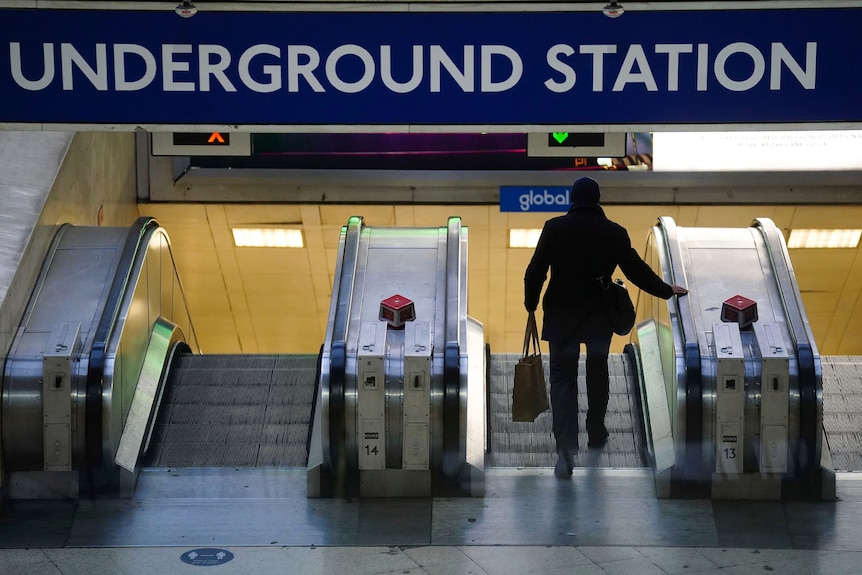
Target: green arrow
560 137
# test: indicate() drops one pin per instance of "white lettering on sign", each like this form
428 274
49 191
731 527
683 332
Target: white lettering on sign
98 75
636 68
386 71
270 71
121 82
209 67
363 55
568 73
673 51
488 53
170 67
440 59
301 62
598 61
350 68
543 198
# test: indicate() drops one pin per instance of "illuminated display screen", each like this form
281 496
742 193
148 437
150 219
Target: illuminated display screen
396 151
201 139
567 139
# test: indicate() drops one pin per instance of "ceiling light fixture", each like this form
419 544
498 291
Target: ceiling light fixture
613 9
267 237
524 238
824 238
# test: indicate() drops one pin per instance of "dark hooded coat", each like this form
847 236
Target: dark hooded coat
578 247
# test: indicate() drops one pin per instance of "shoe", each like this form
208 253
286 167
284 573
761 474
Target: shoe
598 439
564 465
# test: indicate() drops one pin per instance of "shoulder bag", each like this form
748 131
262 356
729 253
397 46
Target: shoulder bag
618 302
529 394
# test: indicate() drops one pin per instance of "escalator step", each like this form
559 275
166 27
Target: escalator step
235 410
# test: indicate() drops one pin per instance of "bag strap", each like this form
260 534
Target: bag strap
605 280
531 336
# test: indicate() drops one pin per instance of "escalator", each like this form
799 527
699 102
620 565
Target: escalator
104 377
731 378
83 379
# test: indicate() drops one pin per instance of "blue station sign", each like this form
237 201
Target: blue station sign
535 198
374 69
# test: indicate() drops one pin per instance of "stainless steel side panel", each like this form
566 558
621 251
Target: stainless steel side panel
71 289
114 283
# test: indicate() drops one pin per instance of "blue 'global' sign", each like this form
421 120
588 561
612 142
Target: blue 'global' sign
518 69
535 198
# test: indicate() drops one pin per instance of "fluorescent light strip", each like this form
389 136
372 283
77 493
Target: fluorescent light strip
524 238
267 237
824 238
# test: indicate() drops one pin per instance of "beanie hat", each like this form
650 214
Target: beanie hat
585 191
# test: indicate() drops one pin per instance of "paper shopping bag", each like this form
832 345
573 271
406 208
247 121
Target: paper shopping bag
530 394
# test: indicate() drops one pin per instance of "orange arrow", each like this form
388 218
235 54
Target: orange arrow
216 137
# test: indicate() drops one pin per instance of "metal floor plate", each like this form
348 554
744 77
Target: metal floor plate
222 507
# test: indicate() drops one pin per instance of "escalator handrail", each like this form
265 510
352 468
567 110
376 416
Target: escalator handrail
779 258
138 236
810 382
336 386
346 278
452 348
678 262
695 456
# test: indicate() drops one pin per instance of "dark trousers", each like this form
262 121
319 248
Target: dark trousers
564 358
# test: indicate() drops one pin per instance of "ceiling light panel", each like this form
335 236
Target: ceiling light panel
824 238
267 237
524 238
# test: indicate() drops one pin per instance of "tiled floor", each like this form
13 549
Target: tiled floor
602 521
434 561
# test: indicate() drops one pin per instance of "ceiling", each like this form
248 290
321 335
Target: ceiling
271 300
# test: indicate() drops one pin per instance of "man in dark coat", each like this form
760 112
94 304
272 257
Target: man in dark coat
578 248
